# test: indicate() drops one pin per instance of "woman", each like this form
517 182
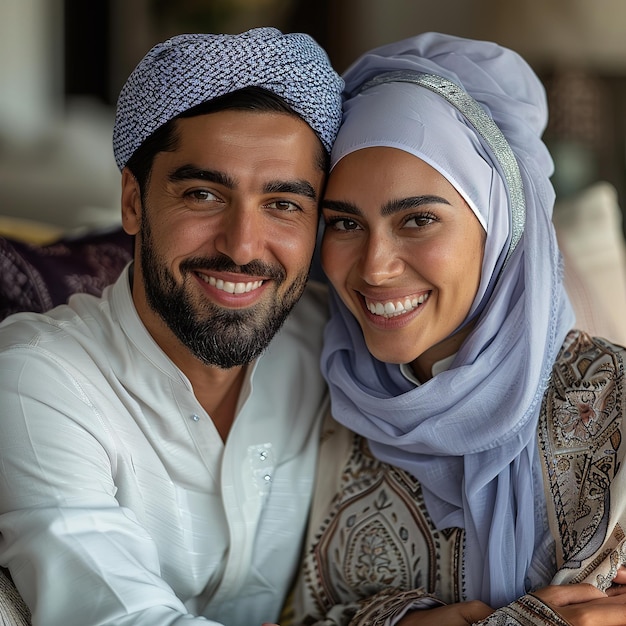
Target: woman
486 467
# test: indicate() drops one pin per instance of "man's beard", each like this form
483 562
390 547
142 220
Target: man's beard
217 336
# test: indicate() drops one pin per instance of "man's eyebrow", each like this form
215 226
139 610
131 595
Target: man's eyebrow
191 172
402 204
298 187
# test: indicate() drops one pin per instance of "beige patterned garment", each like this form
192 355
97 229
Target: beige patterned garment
13 611
372 552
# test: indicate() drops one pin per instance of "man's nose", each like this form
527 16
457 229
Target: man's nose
242 234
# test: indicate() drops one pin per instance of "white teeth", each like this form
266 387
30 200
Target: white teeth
230 287
393 309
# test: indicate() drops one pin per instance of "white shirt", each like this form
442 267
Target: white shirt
119 502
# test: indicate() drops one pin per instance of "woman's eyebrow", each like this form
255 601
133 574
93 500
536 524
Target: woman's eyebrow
341 207
389 208
402 204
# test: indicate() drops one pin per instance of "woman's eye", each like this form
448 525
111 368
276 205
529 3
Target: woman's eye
343 224
419 221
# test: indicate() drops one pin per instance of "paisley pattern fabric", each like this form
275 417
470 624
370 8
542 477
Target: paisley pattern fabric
380 529
582 443
373 553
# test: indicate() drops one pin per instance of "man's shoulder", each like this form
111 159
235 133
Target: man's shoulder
64 324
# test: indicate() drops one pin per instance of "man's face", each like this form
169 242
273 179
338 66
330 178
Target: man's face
226 234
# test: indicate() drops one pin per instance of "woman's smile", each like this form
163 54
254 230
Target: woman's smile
403 250
395 307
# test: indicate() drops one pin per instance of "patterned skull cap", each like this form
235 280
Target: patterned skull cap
190 69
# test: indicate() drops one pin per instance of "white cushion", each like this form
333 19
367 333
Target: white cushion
589 230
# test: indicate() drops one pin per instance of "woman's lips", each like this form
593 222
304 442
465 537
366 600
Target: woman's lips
396 306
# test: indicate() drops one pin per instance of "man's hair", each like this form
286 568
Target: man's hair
165 138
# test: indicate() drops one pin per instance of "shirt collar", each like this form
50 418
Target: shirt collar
438 367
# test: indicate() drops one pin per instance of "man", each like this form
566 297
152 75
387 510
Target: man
158 444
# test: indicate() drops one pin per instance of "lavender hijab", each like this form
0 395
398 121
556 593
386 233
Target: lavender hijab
469 433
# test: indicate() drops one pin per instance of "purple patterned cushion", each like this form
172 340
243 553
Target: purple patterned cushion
37 278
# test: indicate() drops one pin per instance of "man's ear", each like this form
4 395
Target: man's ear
131 203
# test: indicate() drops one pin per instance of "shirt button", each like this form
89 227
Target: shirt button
195 417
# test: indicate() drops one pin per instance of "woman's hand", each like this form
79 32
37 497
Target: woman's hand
580 605
586 605
619 583
460 614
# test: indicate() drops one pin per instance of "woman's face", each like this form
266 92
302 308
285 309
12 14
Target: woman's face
404 251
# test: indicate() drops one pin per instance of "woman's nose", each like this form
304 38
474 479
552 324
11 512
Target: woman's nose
380 259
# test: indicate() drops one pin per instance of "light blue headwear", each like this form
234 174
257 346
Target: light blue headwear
469 433
190 69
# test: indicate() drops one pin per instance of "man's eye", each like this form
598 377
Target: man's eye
201 195
283 205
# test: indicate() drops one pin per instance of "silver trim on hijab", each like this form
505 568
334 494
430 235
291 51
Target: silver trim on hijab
488 130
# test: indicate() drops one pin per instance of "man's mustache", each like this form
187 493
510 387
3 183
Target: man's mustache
226 264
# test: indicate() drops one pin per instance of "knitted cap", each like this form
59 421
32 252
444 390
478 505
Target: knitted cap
187 70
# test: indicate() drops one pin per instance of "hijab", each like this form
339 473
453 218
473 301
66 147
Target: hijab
474 111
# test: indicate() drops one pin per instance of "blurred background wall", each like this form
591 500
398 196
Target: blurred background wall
63 62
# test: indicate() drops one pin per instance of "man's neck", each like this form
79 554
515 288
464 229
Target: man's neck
218 392
215 388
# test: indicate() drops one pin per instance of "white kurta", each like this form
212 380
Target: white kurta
119 502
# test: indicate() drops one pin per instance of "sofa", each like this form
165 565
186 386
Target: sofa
37 275
41 267
590 234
